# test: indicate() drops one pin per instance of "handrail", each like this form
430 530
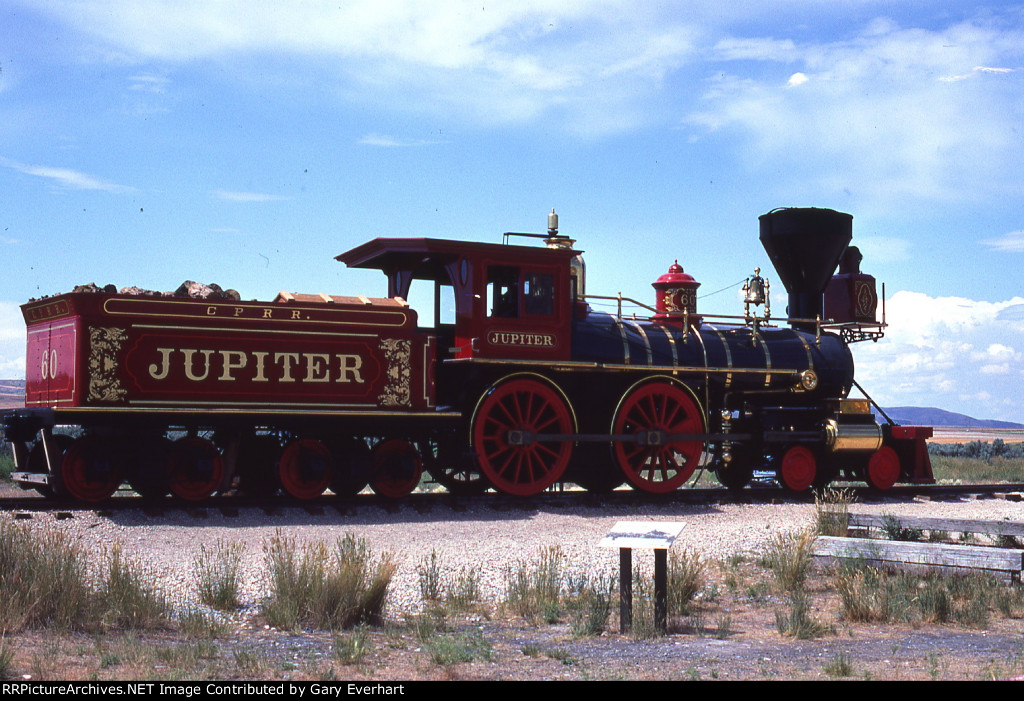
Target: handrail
819 323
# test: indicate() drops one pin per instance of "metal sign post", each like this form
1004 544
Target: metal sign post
645 535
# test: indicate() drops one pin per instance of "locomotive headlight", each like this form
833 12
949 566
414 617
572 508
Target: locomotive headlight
809 380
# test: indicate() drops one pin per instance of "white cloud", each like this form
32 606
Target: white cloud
12 342
1012 242
66 177
387 141
974 72
797 79
596 66
148 83
954 353
873 115
756 48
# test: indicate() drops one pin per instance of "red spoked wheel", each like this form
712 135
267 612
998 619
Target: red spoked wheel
883 468
397 468
90 470
797 468
305 468
198 469
653 413
508 433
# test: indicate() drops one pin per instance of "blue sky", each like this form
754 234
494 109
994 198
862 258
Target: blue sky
147 142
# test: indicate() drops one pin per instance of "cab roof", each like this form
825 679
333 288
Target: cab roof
393 253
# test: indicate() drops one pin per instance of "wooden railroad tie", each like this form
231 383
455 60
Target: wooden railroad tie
949 525
1003 563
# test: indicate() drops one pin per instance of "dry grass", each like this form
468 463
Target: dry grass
313 586
49 581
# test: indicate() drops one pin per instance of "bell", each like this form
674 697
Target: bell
754 289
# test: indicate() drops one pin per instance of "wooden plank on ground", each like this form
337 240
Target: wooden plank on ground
950 525
996 560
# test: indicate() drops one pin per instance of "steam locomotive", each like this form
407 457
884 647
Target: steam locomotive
512 381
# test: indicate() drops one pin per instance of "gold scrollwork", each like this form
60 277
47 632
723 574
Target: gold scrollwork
397 391
105 345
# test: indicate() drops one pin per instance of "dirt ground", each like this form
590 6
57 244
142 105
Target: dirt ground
732 633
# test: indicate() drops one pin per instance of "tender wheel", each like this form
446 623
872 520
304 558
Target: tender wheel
883 469
305 468
508 430
453 469
37 460
198 469
90 470
736 476
152 461
652 412
797 469
397 468
353 466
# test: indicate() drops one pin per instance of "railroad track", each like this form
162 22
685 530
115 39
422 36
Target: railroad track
232 505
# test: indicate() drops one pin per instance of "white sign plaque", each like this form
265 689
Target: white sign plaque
645 535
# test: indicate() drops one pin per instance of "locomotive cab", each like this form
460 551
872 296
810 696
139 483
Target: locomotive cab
506 301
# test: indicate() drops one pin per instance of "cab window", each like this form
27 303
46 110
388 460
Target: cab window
503 291
539 293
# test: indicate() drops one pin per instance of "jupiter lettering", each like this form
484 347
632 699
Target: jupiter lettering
202 364
514 338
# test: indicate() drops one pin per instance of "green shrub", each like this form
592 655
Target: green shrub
459 647
973 470
832 511
533 589
216 574
687 574
644 627
458 592
588 602
798 623
128 598
47 580
6 463
351 648
543 590
196 623
839 666
978 450
324 589
6 658
867 594
895 530
789 557
44 578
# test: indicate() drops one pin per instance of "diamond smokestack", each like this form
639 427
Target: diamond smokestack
805 245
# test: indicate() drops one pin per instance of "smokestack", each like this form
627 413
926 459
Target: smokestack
805 245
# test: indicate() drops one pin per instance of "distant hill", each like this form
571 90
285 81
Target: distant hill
12 393
930 416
